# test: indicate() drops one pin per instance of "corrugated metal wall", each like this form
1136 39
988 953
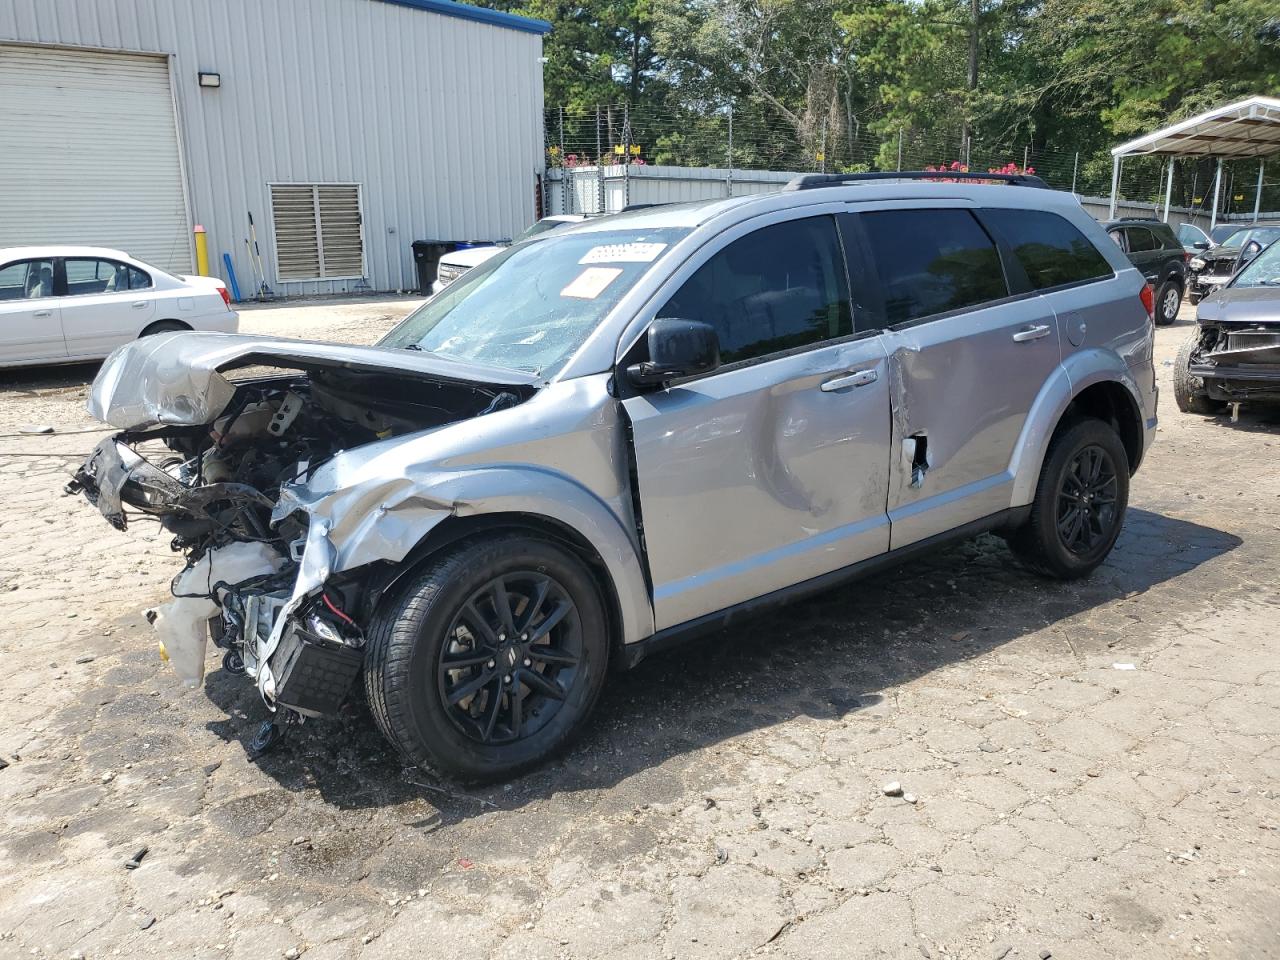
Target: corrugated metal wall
437 118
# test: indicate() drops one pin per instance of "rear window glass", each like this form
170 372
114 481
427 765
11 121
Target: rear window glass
932 261
1051 250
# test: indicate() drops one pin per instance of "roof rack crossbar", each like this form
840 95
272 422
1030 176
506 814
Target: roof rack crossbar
815 181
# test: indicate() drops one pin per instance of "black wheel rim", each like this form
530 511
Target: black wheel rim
1087 500
511 657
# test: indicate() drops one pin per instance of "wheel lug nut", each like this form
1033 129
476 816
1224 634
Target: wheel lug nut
507 678
489 664
528 662
524 636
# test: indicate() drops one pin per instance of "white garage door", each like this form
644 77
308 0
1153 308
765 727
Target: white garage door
89 154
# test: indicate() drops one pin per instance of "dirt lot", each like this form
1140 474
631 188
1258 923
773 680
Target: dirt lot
1096 766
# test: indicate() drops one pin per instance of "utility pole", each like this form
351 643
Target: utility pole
728 184
975 13
1075 168
599 165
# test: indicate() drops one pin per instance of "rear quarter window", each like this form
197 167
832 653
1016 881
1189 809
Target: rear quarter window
1051 250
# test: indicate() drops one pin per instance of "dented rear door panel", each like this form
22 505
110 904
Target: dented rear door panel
963 386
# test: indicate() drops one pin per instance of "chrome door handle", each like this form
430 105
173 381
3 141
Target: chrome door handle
1031 333
139 303
859 379
41 314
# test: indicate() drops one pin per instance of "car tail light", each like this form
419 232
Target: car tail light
226 297
1148 298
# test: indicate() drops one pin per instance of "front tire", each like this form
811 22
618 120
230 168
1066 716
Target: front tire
1168 301
1188 391
1080 502
491 659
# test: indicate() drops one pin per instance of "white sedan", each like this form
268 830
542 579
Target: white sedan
67 304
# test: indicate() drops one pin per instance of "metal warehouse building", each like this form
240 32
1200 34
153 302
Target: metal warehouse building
347 128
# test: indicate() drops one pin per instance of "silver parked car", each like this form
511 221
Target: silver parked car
627 432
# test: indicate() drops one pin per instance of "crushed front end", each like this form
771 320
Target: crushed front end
225 469
1238 359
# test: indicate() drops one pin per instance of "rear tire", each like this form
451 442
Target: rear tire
455 690
1168 301
1188 391
1080 502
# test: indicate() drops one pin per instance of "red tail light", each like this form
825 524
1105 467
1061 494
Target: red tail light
1148 298
226 297
1186 256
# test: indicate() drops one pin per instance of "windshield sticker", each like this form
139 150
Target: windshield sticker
624 253
590 283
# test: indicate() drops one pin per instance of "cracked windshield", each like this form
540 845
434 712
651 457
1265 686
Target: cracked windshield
532 306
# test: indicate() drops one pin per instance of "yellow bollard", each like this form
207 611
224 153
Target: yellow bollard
202 251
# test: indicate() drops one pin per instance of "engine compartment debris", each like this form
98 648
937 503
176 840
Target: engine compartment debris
257 578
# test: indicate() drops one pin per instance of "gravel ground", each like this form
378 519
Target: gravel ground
1095 767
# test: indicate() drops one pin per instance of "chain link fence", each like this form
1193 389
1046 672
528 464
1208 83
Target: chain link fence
733 138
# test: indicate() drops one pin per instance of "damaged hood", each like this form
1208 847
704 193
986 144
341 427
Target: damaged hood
1242 305
177 378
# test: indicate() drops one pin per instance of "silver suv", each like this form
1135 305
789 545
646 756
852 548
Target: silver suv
612 438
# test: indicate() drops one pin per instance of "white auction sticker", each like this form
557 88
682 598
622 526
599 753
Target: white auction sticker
590 283
624 253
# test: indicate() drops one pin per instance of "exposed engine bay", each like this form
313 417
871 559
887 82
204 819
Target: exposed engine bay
218 488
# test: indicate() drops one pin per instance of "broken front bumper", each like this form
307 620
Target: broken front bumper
268 611
1244 364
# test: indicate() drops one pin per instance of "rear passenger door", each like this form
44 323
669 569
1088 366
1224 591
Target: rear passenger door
969 351
107 303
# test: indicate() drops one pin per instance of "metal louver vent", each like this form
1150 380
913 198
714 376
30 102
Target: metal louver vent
318 231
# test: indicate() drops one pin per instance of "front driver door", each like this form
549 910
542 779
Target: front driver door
772 469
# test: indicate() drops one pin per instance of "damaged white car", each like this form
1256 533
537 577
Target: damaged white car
625 433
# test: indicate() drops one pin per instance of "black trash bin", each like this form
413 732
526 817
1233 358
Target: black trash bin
426 256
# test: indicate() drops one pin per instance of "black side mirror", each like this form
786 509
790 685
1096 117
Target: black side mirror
1200 245
677 349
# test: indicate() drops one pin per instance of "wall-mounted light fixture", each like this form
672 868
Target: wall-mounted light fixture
210 80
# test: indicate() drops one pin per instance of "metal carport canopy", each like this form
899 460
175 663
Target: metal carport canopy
1246 128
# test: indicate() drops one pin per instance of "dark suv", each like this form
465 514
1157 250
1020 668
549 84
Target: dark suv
1154 248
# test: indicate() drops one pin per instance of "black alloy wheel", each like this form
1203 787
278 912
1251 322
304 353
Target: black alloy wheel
1087 500
510 657
490 656
1079 504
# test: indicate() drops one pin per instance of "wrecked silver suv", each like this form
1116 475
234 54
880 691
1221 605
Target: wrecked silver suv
604 441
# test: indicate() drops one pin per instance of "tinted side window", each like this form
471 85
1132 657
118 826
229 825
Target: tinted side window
26 280
138 280
1051 250
85 275
782 286
932 261
1141 240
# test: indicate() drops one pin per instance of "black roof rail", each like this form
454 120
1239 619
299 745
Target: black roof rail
814 181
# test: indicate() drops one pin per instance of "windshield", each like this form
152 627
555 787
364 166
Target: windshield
1262 271
1263 235
531 306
